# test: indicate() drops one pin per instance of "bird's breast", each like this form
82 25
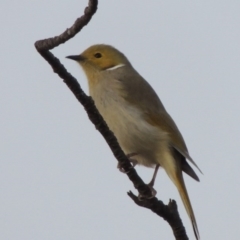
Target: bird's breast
133 132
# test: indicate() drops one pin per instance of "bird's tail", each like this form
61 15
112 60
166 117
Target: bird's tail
173 168
179 182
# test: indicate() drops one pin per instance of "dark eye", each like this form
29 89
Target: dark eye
97 55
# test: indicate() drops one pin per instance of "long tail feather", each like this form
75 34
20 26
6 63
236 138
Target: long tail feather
179 182
172 164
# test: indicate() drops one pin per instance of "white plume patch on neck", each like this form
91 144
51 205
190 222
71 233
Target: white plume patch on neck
115 67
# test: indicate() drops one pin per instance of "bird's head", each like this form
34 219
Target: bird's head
99 58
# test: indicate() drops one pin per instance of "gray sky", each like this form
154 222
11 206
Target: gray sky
58 178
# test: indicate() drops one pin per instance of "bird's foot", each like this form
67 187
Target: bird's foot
151 184
153 191
133 161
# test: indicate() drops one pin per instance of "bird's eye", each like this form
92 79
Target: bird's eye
97 55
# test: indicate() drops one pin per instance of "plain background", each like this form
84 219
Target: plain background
58 178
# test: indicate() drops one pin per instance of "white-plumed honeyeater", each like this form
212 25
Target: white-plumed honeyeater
135 114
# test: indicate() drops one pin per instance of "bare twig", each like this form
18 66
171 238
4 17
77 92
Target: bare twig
168 212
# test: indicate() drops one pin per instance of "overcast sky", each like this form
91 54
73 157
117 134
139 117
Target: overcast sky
58 177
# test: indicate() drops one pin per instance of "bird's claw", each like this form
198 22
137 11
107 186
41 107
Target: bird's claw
133 161
153 191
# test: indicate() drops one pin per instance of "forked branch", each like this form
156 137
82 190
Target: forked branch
168 212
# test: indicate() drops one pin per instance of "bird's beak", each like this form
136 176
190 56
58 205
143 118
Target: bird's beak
78 58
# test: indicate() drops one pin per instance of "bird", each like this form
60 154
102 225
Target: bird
135 114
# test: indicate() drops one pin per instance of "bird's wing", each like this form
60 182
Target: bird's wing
146 99
164 121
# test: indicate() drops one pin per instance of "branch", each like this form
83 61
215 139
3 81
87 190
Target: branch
168 212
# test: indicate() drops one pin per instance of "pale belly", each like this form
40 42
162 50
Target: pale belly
133 133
